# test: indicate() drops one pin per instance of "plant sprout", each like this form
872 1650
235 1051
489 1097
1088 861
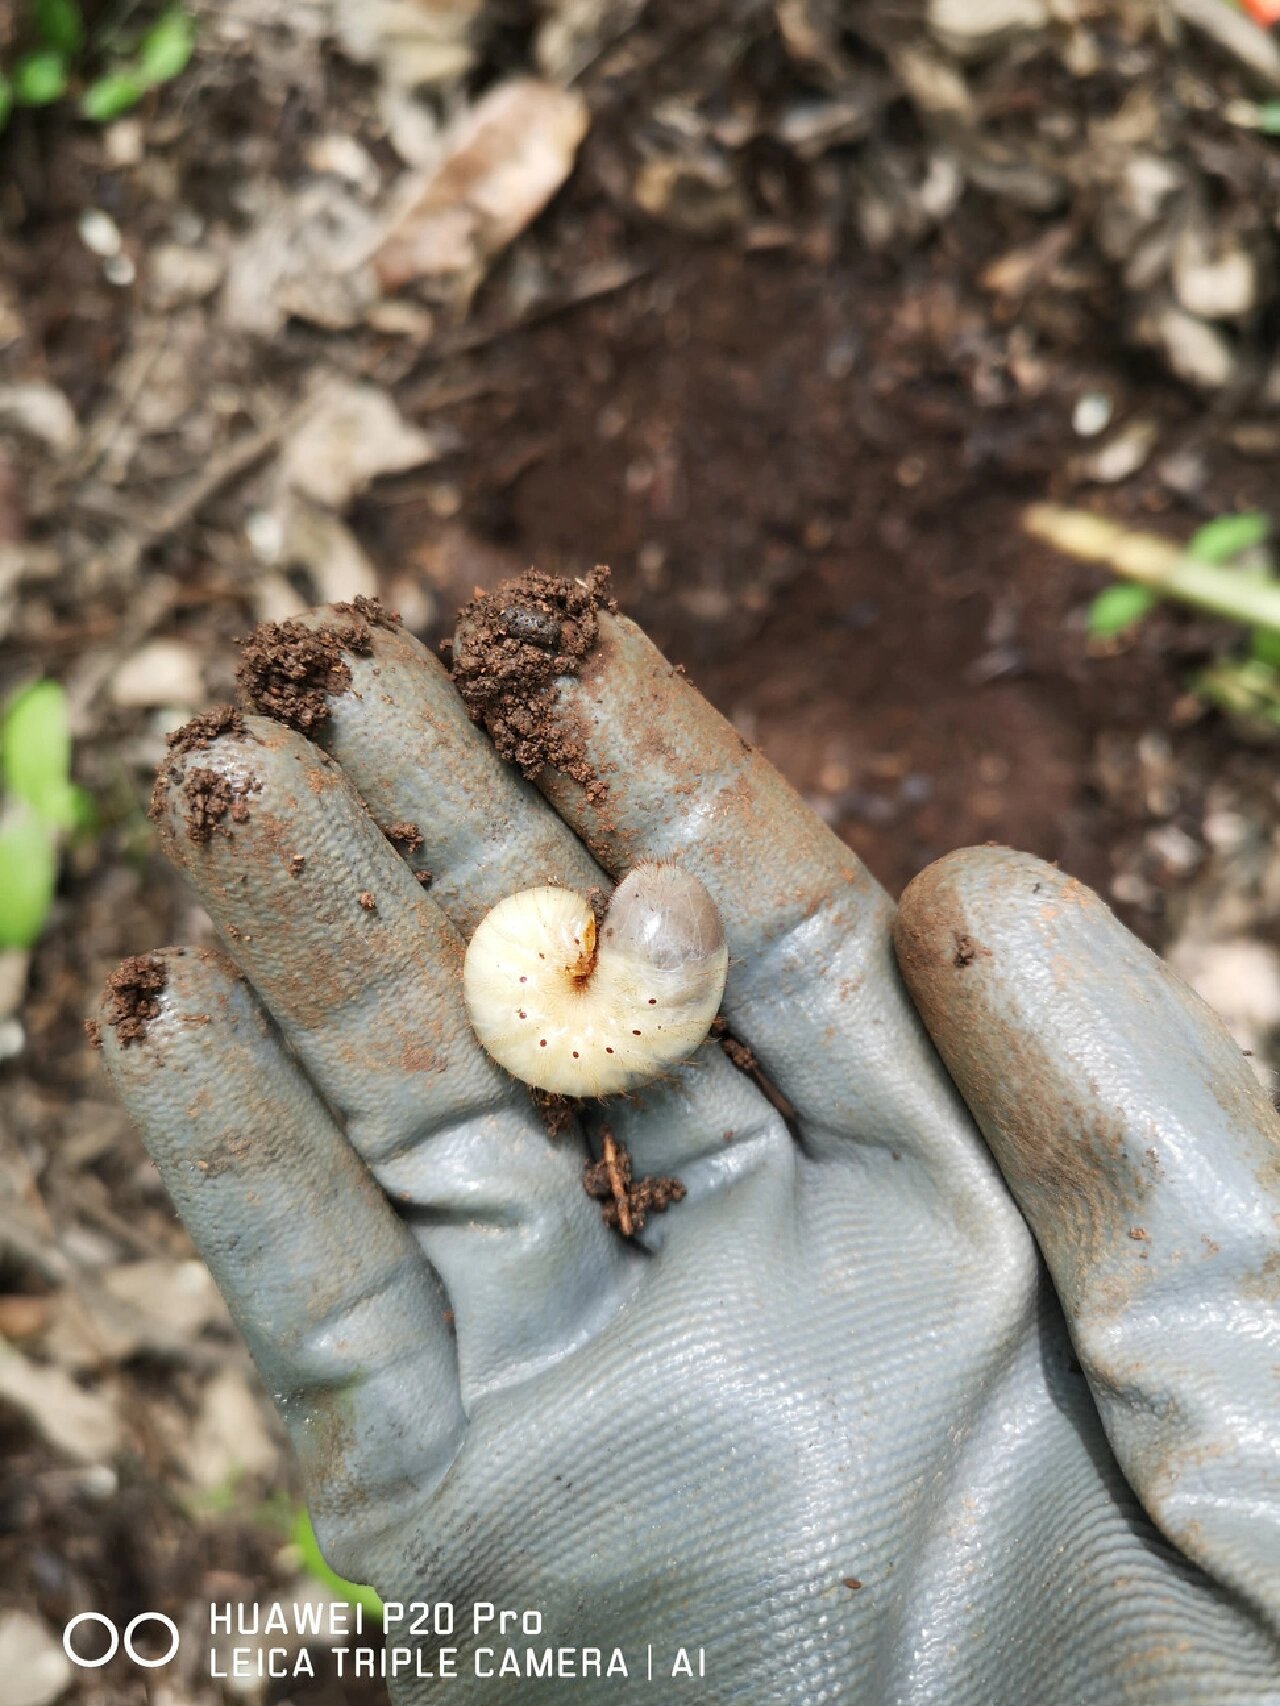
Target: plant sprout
1226 569
38 805
125 66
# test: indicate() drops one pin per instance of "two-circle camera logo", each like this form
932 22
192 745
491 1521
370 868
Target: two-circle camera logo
114 1639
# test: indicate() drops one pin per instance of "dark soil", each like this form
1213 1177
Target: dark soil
508 649
810 498
406 836
131 995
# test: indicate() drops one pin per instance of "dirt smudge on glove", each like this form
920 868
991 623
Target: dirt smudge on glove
511 645
132 996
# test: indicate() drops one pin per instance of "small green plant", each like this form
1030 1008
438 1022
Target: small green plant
112 67
303 1536
39 804
285 1516
1227 568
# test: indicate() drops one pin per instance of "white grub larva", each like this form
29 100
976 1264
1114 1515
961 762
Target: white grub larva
587 1014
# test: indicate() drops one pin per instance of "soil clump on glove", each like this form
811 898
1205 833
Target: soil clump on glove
511 644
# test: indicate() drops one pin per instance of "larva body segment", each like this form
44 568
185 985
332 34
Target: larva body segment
587 1014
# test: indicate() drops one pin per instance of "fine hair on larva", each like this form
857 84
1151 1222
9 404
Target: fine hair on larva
588 1010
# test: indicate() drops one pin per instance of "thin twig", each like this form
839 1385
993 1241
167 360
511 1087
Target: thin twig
1155 563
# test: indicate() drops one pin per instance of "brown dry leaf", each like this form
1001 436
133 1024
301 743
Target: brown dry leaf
82 1425
972 29
42 412
502 162
352 435
229 1437
413 43
34 1667
160 673
574 32
304 255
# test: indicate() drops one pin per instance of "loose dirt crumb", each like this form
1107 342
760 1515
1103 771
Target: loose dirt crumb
850 1582
93 1030
194 736
209 799
556 1111
740 1054
132 991
510 646
371 610
405 835
424 877
1138 1234
367 902
291 672
627 1202
297 864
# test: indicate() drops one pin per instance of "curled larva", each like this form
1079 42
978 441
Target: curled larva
586 1013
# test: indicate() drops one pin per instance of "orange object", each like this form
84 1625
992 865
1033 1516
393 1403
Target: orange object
1264 12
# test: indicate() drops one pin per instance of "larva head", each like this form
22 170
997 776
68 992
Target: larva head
664 915
580 1024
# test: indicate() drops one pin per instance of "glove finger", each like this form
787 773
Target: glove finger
430 776
361 971
1146 1157
424 770
812 984
343 1316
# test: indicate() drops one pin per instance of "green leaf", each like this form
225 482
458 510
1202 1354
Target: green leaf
1264 646
1118 607
167 47
1225 537
39 78
61 25
1268 118
303 1536
6 99
35 751
28 876
112 95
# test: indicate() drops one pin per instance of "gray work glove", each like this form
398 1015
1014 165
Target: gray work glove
834 1419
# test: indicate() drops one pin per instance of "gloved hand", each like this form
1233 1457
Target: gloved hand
833 1419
